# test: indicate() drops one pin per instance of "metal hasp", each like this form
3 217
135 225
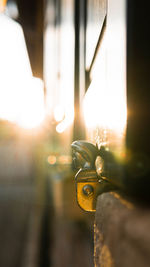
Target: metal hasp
89 183
99 171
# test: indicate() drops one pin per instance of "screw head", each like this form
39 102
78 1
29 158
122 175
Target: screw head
88 190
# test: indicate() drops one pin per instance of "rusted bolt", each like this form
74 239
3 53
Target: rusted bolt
88 190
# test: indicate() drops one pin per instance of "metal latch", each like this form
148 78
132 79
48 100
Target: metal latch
99 171
89 183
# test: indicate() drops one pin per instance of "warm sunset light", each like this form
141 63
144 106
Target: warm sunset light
67 121
59 113
31 105
51 159
60 82
25 105
105 101
21 95
2 5
103 109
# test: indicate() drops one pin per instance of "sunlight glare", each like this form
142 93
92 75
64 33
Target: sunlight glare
105 101
59 113
32 111
68 120
21 95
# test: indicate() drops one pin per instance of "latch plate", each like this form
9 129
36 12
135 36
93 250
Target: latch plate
87 183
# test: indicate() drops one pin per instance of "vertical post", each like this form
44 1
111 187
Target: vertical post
78 124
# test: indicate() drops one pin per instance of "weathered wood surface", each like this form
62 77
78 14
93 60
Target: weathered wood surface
122 236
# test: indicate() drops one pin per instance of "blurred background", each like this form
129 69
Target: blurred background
40 222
